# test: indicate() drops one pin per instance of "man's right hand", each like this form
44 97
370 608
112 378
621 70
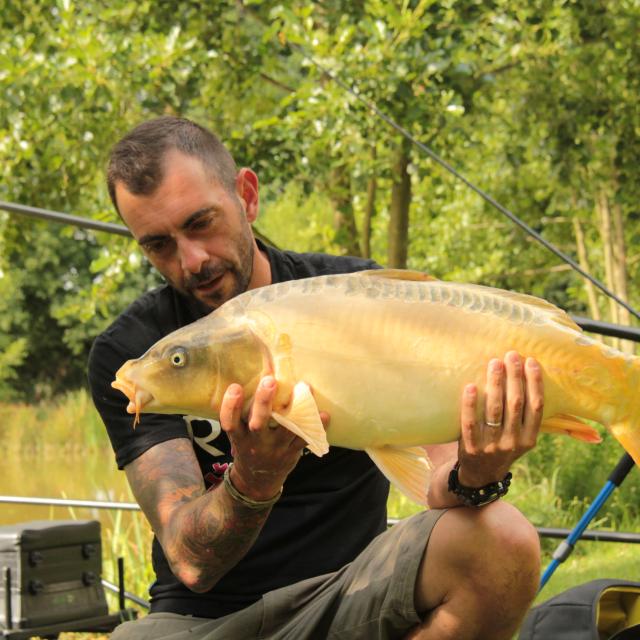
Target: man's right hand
264 453
206 533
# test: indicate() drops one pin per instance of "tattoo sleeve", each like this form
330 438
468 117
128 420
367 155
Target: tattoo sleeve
203 534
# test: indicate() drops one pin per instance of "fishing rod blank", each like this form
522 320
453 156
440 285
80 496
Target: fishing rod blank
565 548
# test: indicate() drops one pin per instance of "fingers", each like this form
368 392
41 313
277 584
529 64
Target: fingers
470 433
260 419
513 400
260 414
231 409
261 407
534 404
494 396
514 394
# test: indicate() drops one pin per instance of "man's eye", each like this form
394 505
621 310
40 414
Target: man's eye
201 223
157 246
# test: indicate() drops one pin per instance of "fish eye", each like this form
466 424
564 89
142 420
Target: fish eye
178 357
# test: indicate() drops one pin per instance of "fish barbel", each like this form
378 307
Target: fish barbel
386 353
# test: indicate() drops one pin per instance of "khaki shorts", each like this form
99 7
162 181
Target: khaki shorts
370 598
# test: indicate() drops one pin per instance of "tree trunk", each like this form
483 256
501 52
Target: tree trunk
620 273
620 261
399 213
584 263
344 221
606 233
369 209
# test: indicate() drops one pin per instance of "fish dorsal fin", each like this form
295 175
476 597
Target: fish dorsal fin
409 469
555 313
397 274
301 416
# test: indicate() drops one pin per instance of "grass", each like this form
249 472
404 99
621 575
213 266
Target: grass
589 561
69 423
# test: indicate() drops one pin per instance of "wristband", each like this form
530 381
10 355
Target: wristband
246 500
478 497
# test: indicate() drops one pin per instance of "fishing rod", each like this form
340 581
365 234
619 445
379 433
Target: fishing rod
64 218
82 222
566 547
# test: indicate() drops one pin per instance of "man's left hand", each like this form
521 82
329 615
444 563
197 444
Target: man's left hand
514 401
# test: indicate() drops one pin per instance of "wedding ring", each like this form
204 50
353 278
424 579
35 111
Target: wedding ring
493 425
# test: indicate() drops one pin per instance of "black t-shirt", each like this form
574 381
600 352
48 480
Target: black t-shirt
331 507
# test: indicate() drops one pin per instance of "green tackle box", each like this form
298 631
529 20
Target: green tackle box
51 573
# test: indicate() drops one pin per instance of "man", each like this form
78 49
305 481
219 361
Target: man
279 544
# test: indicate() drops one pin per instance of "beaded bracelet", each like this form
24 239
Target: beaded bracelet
245 500
478 497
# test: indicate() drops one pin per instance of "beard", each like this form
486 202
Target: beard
238 272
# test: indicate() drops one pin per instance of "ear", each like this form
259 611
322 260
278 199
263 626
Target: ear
247 190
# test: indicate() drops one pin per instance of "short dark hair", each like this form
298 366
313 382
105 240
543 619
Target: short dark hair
137 160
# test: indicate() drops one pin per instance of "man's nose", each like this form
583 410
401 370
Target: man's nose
192 256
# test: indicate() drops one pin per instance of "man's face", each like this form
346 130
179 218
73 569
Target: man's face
194 232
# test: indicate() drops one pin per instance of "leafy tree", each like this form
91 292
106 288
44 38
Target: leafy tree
534 101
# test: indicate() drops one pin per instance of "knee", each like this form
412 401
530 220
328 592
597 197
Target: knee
507 529
499 546
511 548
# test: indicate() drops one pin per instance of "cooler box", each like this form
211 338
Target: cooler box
54 572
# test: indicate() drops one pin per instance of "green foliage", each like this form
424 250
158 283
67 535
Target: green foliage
298 221
76 76
581 471
533 101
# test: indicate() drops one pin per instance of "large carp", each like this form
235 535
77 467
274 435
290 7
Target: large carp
386 353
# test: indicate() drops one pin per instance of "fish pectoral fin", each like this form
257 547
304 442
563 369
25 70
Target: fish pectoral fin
396 274
571 426
409 469
301 416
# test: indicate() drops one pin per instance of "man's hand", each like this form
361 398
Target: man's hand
264 453
514 400
206 533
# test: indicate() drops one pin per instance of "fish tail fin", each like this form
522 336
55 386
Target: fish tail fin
628 435
626 429
571 426
409 469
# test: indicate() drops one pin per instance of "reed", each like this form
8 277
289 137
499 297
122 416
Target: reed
64 424
128 536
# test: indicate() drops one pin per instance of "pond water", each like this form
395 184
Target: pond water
93 476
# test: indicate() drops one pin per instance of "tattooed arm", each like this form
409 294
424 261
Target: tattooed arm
205 534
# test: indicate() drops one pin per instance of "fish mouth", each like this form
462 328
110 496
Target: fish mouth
138 398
